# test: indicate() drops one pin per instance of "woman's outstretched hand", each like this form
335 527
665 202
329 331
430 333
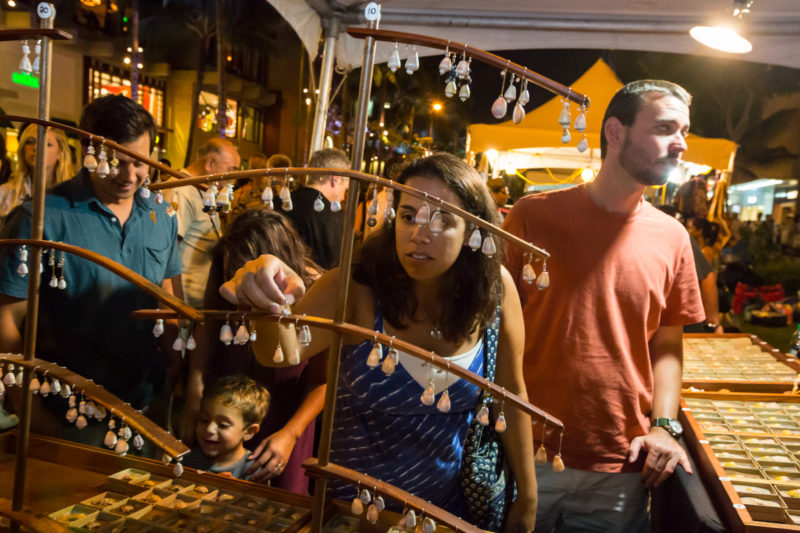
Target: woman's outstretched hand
264 283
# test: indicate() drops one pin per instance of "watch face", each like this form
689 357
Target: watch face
675 428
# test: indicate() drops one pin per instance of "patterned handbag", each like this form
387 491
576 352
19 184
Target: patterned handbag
486 484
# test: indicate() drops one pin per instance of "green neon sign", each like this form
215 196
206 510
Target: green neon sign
28 80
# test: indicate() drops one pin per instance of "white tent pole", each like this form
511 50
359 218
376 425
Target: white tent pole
325 80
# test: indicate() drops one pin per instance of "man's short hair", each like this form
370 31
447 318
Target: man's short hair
279 161
245 395
496 184
327 158
214 145
625 105
118 118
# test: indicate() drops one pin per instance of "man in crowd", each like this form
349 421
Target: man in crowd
500 195
199 231
86 326
603 344
322 230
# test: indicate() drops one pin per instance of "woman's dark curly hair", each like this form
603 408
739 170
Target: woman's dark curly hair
472 286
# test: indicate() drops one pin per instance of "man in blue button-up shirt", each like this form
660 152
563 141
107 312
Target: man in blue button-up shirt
87 326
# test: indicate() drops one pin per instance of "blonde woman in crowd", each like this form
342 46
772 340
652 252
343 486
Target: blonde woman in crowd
58 167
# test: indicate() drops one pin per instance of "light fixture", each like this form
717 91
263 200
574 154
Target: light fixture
437 106
12 3
724 35
587 174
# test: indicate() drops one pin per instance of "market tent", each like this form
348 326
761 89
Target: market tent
539 131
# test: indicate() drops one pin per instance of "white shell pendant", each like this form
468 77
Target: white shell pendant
483 416
285 195
565 136
365 496
524 96
411 519
475 240
464 92
511 92
374 358
100 412
519 113
82 407
177 470
462 69
22 270
80 422
423 215
436 224
500 425
226 333
90 408
583 144
242 335
445 65
304 336
564 117
580 122
379 503
166 459
294 357
267 195
144 192
35 385
528 274
178 345
488 248
44 390
9 378
443 405
191 344
158 329
318 205
89 161
372 514
427 397
138 441
278 357
499 108
253 335
544 280
111 439
66 391
55 386
450 89
102 169
394 60
412 62
428 525
336 206
121 448
72 415
357 507
390 362
20 377
125 432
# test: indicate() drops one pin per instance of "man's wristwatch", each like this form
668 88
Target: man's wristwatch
672 426
710 327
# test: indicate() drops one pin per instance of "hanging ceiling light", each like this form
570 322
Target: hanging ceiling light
724 36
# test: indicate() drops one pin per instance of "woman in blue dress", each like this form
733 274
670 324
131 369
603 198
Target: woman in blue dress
417 280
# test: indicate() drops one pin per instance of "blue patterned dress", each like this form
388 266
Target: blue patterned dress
381 428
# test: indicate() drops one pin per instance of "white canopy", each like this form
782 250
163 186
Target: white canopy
649 25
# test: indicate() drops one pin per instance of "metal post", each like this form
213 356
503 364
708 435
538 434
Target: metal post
136 57
325 80
47 12
346 254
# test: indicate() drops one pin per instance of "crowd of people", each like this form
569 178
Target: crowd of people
600 348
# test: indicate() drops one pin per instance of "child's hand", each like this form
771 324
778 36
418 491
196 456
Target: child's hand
271 456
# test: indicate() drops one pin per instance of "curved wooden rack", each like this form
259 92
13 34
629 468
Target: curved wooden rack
184 310
341 473
30 521
361 176
476 53
34 33
96 138
113 405
386 340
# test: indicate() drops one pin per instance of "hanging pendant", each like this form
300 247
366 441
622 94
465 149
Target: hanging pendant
22 270
558 463
20 377
443 405
389 364
394 59
583 144
475 240
500 424
111 439
365 496
483 416
372 514
336 206
410 519
285 195
177 469
242 335
489 248
114 170
9 380
450 89
82 407
374 358
580 121
565 136
436 333
357 507
80 422
66 391
90 408
102 169
524 95
436 225
25 63
178 344
541 455
428 525
144 192
55 386
318 204
464 92
499 108
519 113
544 278
89 160
427 397
267 195
372 209
159 197
158 329
304 336
121 448
445 64
99 412
37 59
412 62
277 358
226 333
138 441
35 385
564 117
253 335
528 274
463 69
191 344
380 505
44 390
511 92
423 215
72 415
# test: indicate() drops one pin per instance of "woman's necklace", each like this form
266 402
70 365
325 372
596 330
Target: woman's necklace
435 332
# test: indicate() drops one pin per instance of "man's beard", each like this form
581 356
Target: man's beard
646 174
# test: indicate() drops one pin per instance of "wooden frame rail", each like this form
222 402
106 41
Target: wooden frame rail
386 340
331 470
113 405
476 53
19 34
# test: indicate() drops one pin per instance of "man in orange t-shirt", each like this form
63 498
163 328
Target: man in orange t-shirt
603 344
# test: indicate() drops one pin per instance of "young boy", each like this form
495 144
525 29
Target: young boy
231 412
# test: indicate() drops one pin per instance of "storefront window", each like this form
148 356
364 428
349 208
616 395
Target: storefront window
104 79
251 121
207 116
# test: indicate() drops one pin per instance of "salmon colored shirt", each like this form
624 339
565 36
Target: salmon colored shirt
614 280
